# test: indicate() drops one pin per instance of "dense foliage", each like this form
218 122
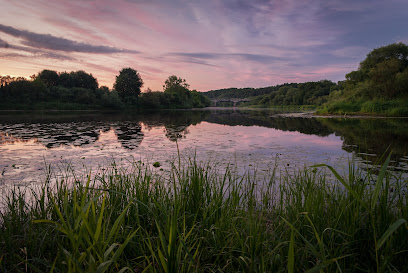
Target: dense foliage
128 84
288 94
176 95
308 93
380 85
241 93
79 90
52 90
193 219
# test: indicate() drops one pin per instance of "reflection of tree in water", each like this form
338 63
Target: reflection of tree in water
359 135
308 126
372 136
175 123
53 135
129 134
174 133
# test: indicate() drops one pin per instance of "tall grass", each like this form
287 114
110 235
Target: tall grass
392 108
194 219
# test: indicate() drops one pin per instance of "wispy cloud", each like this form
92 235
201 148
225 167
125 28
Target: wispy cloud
256 58
41 55
47 41
212 43
4 44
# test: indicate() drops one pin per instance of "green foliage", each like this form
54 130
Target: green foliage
156 164
193 219
48 77
293 94
23 92
308 93
79 79
176 95
128 84
178 91
82 79
175 84
241 93
79 91
377 86
396 51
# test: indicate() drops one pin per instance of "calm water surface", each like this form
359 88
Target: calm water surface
246 140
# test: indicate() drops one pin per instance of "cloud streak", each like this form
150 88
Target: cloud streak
256 58
47 41
212 44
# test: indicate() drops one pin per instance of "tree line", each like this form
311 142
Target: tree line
379 86
241 93
308 93
287 94
80 90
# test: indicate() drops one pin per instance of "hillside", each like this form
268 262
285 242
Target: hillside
378 87
241 93
288 94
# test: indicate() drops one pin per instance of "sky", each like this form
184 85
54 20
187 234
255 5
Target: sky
213 44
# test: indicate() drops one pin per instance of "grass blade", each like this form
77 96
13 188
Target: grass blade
342 181
291 253
380 179
389 232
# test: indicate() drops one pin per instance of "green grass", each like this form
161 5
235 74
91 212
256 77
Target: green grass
392 108
195 219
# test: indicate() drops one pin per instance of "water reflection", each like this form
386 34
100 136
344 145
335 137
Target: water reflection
269 119
129 134
372 137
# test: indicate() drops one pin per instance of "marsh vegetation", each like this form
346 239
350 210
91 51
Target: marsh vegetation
196 219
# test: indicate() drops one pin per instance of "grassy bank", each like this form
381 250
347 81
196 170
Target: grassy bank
197 220
391 108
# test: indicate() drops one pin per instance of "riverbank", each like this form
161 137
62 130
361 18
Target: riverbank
314 114
197 219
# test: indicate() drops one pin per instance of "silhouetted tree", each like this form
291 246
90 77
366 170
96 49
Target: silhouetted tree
128 84
174 83
49 77
84 80
66 80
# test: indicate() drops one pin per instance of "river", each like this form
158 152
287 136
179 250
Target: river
245 140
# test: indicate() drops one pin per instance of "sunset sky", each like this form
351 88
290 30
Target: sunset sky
213 44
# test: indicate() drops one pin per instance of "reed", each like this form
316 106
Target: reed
195 219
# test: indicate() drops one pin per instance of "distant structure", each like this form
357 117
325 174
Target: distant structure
233 100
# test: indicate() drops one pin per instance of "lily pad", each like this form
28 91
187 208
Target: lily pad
156 164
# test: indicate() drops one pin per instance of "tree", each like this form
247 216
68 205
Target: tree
49 77
383 77
378 71
128 83
66 80
393 51
84 80
174 83
177 90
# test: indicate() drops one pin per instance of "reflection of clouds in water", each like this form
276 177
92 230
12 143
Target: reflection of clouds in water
212 136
